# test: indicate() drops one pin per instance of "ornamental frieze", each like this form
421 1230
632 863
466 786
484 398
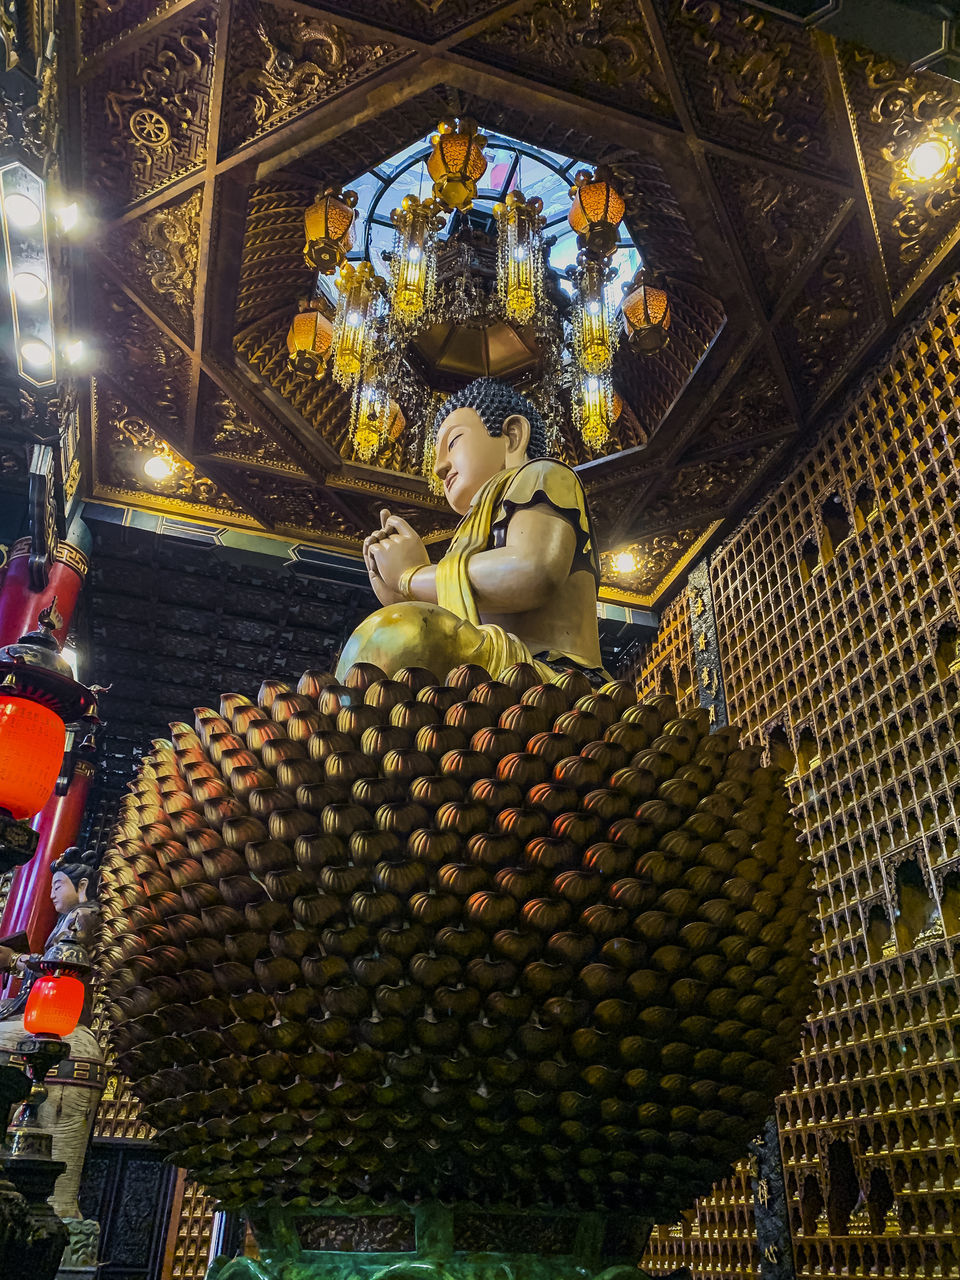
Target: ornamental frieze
226 433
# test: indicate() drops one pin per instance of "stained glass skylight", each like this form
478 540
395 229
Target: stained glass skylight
512 165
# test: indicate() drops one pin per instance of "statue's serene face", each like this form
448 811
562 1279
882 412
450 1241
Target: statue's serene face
63 893
468 456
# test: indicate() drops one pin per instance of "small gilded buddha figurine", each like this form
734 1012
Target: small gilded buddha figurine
519 580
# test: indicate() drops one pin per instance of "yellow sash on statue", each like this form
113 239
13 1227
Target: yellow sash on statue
497 649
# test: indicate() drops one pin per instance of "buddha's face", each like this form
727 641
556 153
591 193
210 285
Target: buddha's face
468 456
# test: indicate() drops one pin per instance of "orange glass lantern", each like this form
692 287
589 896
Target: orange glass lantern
646 313
597 210
329 228
32 738
54 1005
457 163
309 340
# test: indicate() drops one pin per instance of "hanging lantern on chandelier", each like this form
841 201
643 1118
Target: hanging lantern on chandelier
376 418
520 224
329 229
309 339
360 290
594 328
457 163
646 313
597 211
593 408
413 267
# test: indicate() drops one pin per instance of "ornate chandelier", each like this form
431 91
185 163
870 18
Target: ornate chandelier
464 305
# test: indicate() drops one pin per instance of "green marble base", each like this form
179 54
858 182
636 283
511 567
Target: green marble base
438 1242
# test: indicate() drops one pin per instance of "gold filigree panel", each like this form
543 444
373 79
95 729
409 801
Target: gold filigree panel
158 255
598 48
754 82
226 433
659 559
145 116
892 109
282 64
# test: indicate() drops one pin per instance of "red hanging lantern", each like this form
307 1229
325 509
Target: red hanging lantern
32 739
38 698
54 1005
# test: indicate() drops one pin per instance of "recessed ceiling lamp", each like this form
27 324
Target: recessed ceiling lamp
624 562
158 467
29 287
35 352
932 158
21 211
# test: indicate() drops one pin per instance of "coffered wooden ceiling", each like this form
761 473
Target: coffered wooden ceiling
756 156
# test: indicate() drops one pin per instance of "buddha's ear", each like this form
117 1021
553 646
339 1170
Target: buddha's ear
516 429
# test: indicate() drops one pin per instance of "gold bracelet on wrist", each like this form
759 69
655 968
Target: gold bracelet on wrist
405 582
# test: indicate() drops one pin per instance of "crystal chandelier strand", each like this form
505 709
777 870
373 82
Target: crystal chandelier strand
413 266
594 327
519 256
360 290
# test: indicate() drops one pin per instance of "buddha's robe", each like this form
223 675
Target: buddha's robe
557 635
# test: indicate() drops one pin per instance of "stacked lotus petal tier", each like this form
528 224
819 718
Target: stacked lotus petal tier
497 941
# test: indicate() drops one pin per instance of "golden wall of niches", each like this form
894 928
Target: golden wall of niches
837 615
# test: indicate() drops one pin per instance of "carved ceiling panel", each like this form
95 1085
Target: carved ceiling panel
754 82
150 368
834 317
658 558
735 152
157 255
784 221
124 441
283 63
892 109
146 114
226 433
599 50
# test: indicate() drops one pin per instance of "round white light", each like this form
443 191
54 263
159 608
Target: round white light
592 384
29 287
35 352
353 317
929 159
75 351
593 308
158 467
414 254
520 252
21 211
624 562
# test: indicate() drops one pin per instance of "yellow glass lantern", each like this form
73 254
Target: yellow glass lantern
593 409
457 163
519 256
597 210
373 415
359 289
329 228
593 327
646 313
413 267
309 339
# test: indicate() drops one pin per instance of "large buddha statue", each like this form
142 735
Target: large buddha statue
519 580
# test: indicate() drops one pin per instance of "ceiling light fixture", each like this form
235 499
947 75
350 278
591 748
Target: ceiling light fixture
932 157
158 467
624 562
29 287
453 308
35 352
21 211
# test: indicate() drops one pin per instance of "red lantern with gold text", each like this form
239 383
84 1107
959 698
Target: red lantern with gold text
54 1005
38 698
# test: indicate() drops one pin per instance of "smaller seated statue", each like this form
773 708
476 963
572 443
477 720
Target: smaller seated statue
74 1087
519 580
